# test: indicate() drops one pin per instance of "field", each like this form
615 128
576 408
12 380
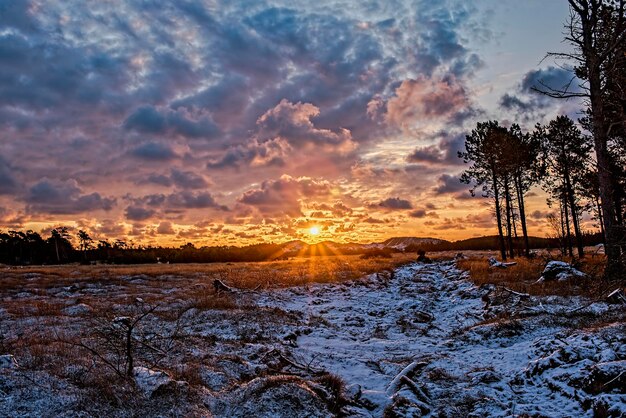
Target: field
323 336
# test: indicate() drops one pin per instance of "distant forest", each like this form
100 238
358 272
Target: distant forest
30 248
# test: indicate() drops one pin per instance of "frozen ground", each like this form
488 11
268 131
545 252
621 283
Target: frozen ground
419 341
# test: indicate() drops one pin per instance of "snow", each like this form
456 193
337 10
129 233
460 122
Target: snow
374 332
149 381
7 361
559 270
420 341
495 263
78 309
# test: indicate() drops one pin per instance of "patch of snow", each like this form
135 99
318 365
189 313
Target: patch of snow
499 264
149 381
77 310
559 270
7 361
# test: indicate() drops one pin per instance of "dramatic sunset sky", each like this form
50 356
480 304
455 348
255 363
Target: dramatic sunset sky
236 122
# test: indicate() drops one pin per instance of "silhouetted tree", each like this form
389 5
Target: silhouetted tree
60 238
597 31
483 149
85 242
566 155
526 170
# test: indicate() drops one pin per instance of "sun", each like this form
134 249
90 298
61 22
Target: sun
314 230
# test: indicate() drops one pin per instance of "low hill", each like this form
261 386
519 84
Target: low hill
401 243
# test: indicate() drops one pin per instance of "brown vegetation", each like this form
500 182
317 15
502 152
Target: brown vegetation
283 273
523 277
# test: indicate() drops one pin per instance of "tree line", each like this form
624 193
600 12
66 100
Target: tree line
580 172
61 247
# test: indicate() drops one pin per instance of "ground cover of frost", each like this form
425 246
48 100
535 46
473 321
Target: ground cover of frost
424 316
418 341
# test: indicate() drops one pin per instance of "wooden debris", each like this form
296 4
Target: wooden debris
616 297
221 287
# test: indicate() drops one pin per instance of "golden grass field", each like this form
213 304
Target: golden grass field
165 283
245 275
523 276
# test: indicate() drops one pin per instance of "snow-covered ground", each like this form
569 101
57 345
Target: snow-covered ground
421 341
429 315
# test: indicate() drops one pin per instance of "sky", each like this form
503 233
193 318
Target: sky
241 122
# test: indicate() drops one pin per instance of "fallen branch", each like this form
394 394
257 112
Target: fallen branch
308 369
417 391
406 372
219 286
518 294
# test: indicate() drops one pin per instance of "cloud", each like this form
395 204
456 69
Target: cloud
180 178
137 213
165 228
531 105
154 151
540 214
550 77
450 184
422 99
395 203
418 213
130 96
292 121
445 151
273 152
371 220
193 200
282 196
8 184
282 129
64 197
147 119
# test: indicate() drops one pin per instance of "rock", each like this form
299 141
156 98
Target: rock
606 377
77 310
7 361
213 379
559 270
421 257
150 381
275 396
354 391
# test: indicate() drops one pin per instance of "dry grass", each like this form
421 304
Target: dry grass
524 275
297 271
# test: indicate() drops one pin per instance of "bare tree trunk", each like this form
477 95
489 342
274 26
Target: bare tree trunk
600 220
574 211
56 247
589 16
563 234
129 351
522 215
568 240
499 217
507 197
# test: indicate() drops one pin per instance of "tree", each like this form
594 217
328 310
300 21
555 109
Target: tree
597 31
483 148
85 242
526 169
59 236
566 154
